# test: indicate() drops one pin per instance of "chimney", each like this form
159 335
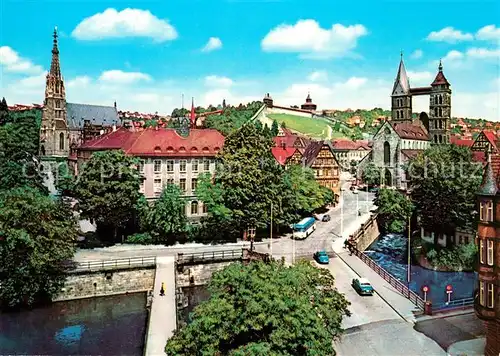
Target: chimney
114 127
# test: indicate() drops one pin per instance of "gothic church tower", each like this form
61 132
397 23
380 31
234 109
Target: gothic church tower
401 106
54 133
440 108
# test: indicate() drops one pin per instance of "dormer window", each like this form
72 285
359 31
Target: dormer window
486 211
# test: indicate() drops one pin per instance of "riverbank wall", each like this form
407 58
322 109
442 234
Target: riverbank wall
366 234
89 284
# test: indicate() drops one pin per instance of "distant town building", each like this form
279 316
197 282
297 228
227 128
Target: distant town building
268 101
294 149
309 105
487 298
166 158
348 151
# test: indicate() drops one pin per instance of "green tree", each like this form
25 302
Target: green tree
4 112
275 128
180 112
167 220
232 118
265 309
19 165
108 191
37 236
444 181
353 169
371 174
394 209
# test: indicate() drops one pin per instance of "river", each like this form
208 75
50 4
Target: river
113 325
390 252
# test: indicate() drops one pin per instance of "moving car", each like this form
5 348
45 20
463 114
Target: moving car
321 257
326 218
362 286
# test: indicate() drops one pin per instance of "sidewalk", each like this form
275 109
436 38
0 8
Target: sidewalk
163 318
474 347
399 303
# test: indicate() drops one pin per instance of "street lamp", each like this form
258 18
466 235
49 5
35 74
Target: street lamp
409 248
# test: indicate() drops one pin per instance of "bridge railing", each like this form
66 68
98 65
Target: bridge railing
210 256
454 304
113 264
393 281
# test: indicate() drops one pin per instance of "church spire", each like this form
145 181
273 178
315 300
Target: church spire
55 68
402 83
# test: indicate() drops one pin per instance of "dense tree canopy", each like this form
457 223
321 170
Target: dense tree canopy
394 209
19 165
108 191
37 236
444 180
167 219
371 174
232 118
265 309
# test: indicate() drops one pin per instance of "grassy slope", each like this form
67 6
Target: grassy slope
313 127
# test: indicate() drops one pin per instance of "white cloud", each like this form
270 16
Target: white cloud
419 77
418 53
352 83
213 44
483 53
319 75
12 62
218 82
80 81
310 40
126 23
450 35
120 77
490 32
34 82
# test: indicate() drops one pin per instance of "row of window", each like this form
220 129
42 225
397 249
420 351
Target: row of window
438 99
327 172
487 252
158 184
438 112
414 145
399 102
400 114
196 164
437 124
486 294
195 208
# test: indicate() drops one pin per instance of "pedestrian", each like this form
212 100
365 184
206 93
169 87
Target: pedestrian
346 243
162 289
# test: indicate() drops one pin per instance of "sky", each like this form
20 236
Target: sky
148 55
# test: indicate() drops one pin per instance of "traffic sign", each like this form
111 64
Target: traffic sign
425 289
449 288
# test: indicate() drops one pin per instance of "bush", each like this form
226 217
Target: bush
140 239
92 241
458 258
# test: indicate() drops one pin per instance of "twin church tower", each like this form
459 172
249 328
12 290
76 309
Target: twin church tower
438 121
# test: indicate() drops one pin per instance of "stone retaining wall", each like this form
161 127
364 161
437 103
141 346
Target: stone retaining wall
199 274
366 234
104 283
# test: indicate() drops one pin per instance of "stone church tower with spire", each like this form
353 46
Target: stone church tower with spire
65 125
54 136
437 122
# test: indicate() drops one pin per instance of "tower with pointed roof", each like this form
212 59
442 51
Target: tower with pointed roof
440 108
54 134
309 105
401 104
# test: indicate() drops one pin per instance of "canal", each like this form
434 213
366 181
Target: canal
390 252
113 325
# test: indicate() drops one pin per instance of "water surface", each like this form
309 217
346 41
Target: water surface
113 325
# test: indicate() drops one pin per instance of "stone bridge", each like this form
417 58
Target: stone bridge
366 234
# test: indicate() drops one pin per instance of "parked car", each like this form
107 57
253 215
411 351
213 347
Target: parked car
373 189
326 218
362 286
321 257
355 191
353 187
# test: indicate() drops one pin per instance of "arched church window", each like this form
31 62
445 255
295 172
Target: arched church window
435 139
42 150
61 141
440 99
387 153
440 112
436 112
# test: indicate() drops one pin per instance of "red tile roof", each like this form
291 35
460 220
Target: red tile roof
282 154
410 131
440 79
492 138
350 145
158 142
457 140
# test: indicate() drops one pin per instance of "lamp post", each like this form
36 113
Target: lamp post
409 248
271 228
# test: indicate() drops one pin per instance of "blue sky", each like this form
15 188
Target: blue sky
145 55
